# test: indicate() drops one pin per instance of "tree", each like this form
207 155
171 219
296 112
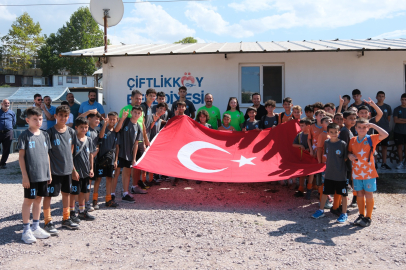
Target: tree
80 32
187 40
21 44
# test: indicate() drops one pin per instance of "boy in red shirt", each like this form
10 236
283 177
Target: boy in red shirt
360 152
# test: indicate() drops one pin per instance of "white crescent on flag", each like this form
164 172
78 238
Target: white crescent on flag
187 151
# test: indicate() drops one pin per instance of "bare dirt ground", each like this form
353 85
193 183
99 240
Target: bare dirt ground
209 226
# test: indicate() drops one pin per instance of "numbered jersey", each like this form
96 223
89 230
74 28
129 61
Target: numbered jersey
36 155
61 152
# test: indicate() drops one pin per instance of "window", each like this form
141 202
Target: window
264 79
68 79
75 79
84 80
45 81
60 80
10 79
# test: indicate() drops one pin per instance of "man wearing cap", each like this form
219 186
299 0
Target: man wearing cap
7 122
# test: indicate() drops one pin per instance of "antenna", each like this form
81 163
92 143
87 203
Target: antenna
107 13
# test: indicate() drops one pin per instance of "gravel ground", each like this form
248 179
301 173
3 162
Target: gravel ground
209 226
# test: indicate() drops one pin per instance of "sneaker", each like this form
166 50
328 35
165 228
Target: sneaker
400 165
69 224
74 218
142 185
111 203
137 190
113 197
358 220
28 237
39 233
343 218
299 194
385 166
50 228
95 205
365 222
175 181
336 212
308 194
319 214
328 205
128 198
89 207
86 216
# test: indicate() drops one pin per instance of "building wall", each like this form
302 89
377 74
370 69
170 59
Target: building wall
55 80
308 77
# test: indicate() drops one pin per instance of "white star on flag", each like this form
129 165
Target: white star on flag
244 161
362 152
362 174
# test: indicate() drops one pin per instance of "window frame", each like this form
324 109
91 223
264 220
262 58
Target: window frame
84 78
261 81
60 82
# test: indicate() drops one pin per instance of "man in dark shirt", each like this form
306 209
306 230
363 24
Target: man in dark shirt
190 107
7 122
74 107
261 111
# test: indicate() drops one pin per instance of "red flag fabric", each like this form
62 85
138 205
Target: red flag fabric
186 149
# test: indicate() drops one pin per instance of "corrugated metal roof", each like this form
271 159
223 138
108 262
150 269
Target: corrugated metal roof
245 47
26 94
6 92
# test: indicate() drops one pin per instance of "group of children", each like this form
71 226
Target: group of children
65 160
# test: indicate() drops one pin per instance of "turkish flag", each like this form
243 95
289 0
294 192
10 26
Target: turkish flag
186 149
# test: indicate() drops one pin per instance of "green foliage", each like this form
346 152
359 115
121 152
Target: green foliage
187 40
80 32
21 44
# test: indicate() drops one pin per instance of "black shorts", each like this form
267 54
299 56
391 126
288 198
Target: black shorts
59 183
384 142
140 150
81 186
332 187
104 171
399 138
39 189
122 163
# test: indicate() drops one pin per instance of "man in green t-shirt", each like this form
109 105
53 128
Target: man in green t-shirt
214 112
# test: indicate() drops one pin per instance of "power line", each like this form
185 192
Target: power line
70 4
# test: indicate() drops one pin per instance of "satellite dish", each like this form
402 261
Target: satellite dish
113 10
107 13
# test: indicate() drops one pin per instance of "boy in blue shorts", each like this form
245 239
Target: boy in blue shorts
361 152
33 145
335 174
63 141
83 158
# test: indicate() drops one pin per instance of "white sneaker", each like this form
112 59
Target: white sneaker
40 233
89 207
28 237
400 165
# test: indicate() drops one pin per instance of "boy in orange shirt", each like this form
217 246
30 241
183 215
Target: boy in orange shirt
316 129
287 114
360 152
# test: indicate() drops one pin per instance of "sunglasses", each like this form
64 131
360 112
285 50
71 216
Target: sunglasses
40 99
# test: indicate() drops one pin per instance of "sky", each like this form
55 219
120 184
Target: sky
232 21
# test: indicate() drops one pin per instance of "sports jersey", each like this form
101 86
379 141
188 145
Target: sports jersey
346 135
190 107
362 169
61 153
383 122
336 153
315 131
36 155
320 144
155 129
214 115
400 113
109 142
302 140
267 122
283 117
81 157
129 108
130 134
237 118
94 135
251 125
